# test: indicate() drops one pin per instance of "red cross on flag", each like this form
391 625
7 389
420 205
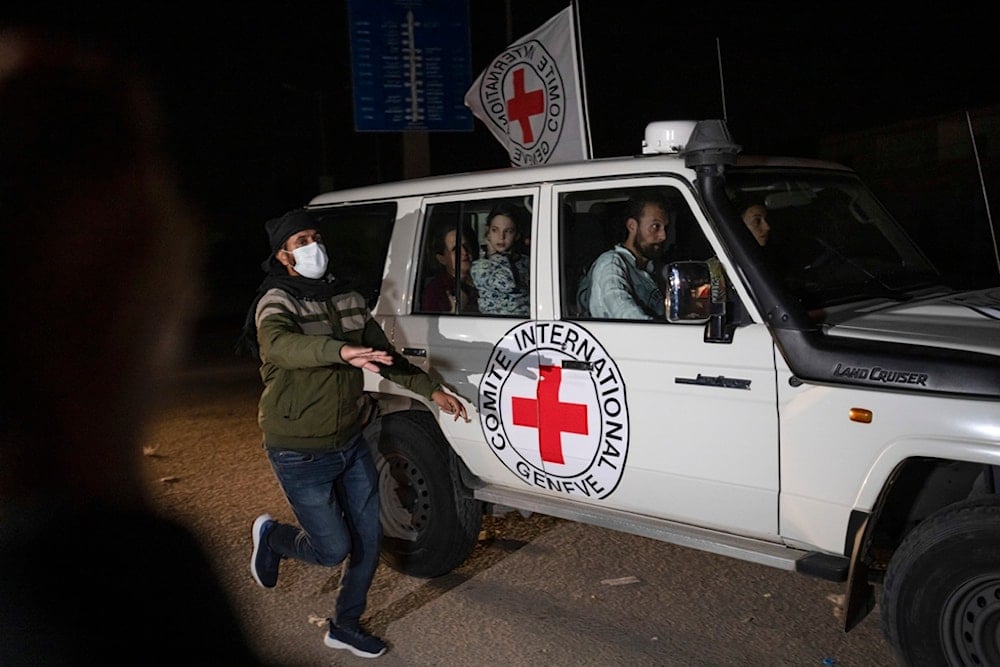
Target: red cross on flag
531 96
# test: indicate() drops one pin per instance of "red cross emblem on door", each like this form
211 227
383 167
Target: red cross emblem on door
549 415
524 104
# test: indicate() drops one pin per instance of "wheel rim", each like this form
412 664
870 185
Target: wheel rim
971 623
404 495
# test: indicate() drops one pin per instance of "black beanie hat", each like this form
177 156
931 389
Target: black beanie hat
293 222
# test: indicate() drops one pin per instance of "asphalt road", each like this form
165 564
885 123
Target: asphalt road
537 590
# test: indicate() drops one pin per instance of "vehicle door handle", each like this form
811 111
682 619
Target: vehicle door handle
577 365
715 381
414 352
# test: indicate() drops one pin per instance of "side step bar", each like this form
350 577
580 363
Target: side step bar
743 548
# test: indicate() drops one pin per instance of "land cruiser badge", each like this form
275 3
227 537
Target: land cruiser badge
552 408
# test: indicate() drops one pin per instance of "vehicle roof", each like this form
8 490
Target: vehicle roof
566 171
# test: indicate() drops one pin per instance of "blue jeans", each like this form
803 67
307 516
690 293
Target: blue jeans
334 496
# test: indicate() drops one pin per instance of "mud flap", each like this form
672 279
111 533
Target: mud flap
860 598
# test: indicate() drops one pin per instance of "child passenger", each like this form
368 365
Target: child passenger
502 276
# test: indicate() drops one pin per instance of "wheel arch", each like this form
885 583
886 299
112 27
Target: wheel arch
382 404
916 488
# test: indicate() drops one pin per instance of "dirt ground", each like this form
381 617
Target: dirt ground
205 467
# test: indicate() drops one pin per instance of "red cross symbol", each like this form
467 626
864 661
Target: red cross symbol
523 105
549 416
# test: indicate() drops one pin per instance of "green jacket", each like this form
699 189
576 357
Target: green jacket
311 397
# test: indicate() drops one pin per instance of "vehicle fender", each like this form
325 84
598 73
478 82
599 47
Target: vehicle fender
889 459
380 404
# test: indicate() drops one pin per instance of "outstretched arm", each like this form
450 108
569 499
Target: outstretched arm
365 357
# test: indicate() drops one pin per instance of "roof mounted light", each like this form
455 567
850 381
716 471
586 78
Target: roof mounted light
667 136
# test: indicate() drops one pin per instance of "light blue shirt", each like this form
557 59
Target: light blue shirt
616 288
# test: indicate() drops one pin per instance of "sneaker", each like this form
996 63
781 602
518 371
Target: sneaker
264 562
357 641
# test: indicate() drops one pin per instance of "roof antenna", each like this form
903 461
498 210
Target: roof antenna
986 198
718 50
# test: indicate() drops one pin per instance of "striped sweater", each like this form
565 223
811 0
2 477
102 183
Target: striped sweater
311 397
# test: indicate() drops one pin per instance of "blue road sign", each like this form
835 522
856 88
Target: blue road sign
410 64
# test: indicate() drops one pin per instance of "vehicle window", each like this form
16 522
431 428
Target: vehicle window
357 239
828 236
475 258
610 272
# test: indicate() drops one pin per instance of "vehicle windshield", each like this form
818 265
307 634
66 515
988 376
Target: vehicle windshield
827 235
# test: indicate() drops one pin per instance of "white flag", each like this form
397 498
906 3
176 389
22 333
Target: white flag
531 99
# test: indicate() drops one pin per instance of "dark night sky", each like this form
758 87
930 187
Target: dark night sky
240 83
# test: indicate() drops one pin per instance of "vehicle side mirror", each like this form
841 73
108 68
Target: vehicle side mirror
689 292
696 294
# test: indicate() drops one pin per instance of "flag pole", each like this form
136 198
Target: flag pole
578 52
510 22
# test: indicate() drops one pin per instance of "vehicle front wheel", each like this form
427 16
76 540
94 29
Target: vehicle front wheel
941 597
429 528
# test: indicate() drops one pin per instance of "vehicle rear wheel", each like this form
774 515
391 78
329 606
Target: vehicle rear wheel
429 528
941 597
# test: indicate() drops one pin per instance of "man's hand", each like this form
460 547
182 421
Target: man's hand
365 357
449 404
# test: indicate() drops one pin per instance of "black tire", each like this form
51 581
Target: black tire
428 527
941 596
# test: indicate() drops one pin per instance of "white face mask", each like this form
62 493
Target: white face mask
310 260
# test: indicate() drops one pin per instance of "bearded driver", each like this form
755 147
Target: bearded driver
316 338
620 284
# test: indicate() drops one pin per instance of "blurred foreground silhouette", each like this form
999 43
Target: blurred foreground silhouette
102 259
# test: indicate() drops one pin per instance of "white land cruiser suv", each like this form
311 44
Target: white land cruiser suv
825 404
